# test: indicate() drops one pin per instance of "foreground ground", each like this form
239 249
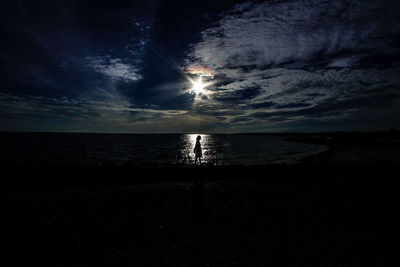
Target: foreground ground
298 215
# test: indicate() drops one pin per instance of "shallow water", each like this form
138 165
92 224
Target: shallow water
138 149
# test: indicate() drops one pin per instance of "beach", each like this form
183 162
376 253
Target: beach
293 215
326 210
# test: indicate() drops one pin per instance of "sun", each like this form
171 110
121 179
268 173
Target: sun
198 87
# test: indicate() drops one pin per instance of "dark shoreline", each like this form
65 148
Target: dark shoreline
319 212
30 177
40 178
290 215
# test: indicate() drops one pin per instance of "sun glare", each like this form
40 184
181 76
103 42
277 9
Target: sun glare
198 87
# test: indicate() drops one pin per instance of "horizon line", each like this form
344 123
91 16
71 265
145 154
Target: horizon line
205 133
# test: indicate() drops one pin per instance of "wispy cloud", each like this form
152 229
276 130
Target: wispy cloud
285 61
200 69
272 64
109 114
114 68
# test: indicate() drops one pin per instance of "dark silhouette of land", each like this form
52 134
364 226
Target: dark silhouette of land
321 212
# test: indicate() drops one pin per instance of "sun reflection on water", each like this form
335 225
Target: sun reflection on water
188 142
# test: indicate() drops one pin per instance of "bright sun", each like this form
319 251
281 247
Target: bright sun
198 87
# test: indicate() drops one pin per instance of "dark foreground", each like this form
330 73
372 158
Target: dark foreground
298 215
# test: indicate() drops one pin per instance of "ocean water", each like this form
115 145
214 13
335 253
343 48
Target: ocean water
149 149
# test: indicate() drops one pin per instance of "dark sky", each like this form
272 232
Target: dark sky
126 66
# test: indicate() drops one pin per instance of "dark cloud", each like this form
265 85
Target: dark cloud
313 61
83 65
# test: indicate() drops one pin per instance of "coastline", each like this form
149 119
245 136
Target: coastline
319 212
352 148
24 179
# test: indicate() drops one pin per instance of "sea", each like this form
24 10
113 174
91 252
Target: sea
150 149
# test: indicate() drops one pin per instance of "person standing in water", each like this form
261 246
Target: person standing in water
197 150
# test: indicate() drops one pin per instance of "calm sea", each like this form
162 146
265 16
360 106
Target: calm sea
157 149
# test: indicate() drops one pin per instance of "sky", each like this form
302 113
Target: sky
135 66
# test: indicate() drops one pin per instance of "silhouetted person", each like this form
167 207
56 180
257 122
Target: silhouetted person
197 150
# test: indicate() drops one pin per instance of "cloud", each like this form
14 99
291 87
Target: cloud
274 64
286 61
114 68
200 69
102 110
